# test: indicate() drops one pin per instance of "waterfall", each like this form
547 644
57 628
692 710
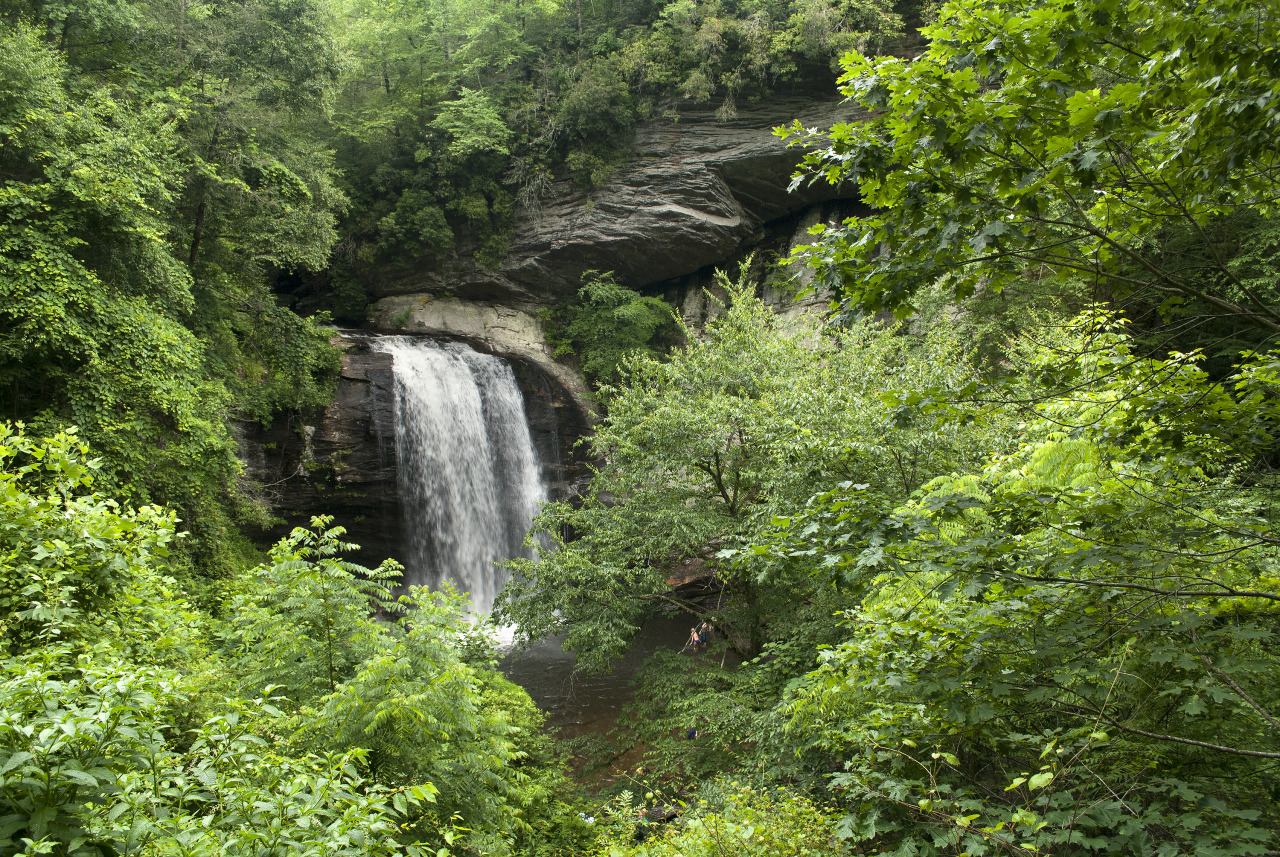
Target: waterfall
468 476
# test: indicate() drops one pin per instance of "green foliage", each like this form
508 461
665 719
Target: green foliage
705 448
117 734
735 707
1041 576
1057 632
739 820
473 125
1069 649
606 324
592 168
400 689
1088 617
302 622
1140 133
88 770
66 553
454 111
93 758
92 300
106 323
418 224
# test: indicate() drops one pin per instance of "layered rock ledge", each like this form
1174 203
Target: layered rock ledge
695 192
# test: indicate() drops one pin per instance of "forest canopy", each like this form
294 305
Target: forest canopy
987 554
1056 634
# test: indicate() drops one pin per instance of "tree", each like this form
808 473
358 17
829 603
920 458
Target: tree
93 756
740 820
106 324
1076 140
413 692
1074 647
703 449
92 298
132 724
88 768
68 552
472 124
606 323
458 111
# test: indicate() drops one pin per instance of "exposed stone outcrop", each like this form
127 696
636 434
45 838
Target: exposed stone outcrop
697 191
341 460
503 330
699 299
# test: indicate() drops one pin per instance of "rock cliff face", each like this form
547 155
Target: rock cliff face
342 461
698 193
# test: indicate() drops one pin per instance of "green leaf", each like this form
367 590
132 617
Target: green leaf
1040 780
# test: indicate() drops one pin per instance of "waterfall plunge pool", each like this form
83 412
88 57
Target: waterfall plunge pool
469 482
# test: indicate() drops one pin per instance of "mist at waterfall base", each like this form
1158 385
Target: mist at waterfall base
470 482
468 476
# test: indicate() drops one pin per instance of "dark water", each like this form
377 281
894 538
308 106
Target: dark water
578 705
470 482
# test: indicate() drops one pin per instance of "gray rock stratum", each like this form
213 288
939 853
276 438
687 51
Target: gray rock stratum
696 191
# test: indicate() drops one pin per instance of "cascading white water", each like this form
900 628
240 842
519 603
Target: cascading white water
468 475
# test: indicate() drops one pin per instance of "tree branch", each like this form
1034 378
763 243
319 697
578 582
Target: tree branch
1226 679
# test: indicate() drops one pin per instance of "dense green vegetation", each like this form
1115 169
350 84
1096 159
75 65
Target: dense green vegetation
294 722
1045 623
141 220
457 115
605 323
1000 577
1002 580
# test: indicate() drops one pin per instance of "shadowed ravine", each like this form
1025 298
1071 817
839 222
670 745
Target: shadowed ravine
469 481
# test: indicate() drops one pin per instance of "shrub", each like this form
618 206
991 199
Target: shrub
608 321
